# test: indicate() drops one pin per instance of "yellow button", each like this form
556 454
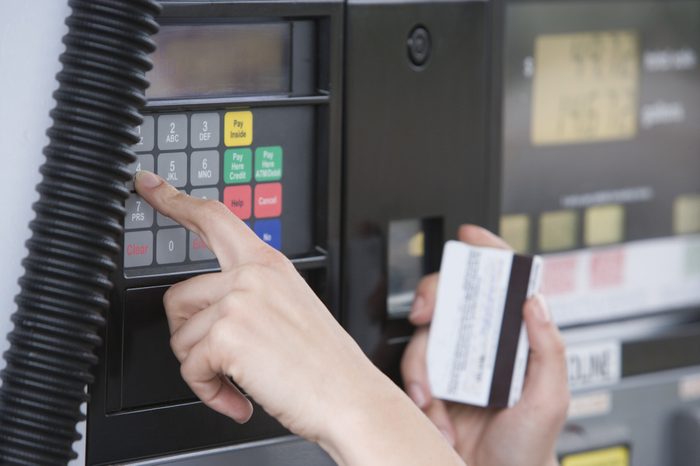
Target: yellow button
515 230
238 129
558 230
604 224
686 214
615 456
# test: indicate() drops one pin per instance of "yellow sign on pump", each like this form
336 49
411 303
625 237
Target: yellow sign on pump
238 129
614 456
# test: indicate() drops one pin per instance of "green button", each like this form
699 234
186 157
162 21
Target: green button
237 166
268 163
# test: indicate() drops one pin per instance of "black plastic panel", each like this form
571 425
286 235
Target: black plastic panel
415 147
150 373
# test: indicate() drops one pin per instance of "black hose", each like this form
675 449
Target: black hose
76 233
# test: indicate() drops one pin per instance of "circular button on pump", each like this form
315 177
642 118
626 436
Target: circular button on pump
419 46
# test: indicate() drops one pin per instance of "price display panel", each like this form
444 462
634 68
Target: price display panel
600 153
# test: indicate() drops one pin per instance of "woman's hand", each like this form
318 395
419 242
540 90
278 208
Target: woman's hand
259 323
524 434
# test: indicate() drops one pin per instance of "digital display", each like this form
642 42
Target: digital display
585 87
601 105
214 60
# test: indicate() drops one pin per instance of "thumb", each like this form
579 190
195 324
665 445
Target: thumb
546 390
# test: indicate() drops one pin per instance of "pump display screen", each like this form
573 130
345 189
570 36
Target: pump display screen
221 60
602 105
600 153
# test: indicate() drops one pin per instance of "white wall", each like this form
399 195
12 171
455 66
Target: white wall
30 43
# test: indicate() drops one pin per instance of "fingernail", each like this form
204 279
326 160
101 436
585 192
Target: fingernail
417 395
448 436
541 311
418 307
147 179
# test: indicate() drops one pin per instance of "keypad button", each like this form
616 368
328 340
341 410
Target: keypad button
268 163
143 162
147 134
138 213
199 250
238 129
269 231
138 248
206 193
205 130
173 168
172 132
238 200
171 245
204 168
238 166
268 200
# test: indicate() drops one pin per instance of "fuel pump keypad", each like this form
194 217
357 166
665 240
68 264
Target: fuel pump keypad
195 154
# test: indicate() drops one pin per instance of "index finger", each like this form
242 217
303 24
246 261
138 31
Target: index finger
225 234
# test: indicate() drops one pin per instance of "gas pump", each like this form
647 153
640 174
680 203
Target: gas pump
267 124
355 137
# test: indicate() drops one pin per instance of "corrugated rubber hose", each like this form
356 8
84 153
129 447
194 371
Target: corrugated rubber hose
77 231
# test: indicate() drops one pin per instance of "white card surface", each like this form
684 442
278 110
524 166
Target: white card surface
477 331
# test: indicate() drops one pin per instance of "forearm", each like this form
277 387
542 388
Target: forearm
385 428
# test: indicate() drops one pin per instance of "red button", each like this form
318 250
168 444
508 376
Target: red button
268 200
559 275
608 268
237 199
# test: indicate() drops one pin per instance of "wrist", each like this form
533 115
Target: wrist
380 425
357 414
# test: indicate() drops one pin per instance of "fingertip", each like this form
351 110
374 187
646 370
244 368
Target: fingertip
537 310
419 314
468 233
245 413
146 180
418 394
424 301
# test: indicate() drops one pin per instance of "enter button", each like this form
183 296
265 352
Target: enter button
268 200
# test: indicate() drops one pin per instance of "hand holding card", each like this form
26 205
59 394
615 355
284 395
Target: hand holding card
477 348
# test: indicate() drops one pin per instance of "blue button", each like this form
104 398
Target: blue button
269 231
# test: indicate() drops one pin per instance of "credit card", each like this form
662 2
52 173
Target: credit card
477 346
